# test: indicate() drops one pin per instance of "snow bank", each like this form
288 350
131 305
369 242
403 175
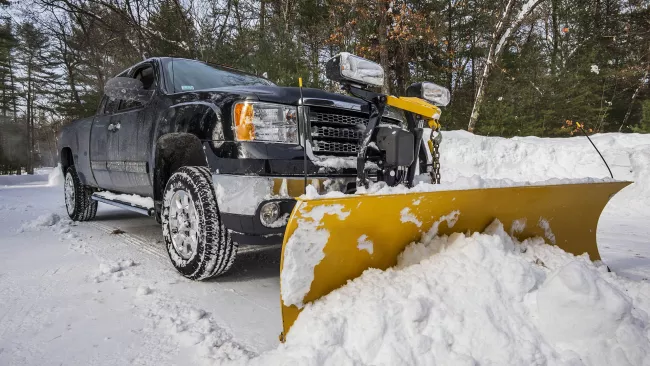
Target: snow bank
489 160
48 176
478 299
484 298
48 220
469 161
191 326
24 179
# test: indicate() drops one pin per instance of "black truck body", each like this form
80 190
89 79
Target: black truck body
133 147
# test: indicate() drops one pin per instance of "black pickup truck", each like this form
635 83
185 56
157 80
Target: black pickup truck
221 154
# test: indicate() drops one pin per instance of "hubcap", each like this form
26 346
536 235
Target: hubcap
183 224
69 193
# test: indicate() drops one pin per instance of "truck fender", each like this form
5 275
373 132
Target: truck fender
174 151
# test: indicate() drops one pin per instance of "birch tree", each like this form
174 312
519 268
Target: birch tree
504 29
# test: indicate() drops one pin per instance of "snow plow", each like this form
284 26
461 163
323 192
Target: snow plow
332 239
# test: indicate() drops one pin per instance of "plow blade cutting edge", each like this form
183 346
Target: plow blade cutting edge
352 233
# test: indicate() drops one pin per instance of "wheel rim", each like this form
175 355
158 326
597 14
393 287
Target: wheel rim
69 193
183 224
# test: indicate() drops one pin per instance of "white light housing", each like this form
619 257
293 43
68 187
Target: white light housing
346 67
269 213
431 92
257 121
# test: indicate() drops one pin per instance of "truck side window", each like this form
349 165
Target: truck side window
148 78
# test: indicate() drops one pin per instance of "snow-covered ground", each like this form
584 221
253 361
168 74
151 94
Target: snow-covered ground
104 292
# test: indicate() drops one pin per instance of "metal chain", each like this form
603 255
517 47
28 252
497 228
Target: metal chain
435 172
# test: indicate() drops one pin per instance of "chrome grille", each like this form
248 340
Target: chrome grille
337 132
332 147
338 119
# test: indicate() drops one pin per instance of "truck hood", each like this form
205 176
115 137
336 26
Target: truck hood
291 95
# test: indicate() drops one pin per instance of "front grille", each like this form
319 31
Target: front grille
337 119
335 148
338 132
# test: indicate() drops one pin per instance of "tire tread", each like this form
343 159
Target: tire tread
216 251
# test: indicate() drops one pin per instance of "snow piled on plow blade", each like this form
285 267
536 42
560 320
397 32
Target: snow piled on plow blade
473 299
328 242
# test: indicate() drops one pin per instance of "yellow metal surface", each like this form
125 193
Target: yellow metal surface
433 124
571 210
414 105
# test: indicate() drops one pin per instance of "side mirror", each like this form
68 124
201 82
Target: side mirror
348 68
124 88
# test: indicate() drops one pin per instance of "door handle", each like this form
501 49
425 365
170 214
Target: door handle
114 127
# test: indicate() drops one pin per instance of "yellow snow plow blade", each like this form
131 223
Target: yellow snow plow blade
372 230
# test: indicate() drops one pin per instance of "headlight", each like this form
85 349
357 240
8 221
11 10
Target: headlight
431 92
346 67
255 121
395 113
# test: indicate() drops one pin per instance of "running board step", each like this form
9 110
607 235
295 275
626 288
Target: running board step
147 211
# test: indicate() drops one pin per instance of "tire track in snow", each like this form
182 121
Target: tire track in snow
159 251
143 245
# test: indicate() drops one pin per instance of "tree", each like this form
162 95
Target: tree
504 29
35 61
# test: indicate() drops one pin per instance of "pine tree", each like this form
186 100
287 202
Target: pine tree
35 61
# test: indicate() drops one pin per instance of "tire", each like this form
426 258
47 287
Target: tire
78 201
197 243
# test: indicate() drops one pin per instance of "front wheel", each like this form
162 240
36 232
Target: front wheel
198 244
78 201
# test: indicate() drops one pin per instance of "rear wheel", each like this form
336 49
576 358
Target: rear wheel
78 201
197 243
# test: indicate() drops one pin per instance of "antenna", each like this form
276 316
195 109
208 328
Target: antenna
598 151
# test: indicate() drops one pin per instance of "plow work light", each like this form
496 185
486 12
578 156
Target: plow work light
348 68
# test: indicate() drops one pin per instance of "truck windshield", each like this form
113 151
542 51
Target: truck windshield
196 75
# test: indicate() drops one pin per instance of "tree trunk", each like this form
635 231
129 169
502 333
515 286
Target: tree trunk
450 57
383 46
629 108
499 38
556 35
29 123
262 16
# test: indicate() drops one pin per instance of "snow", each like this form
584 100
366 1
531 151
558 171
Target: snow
280 222
55 177
132 199
302 253
74 293
80 293
40 177
363 243
477 299
327 162
49 219
232 197
581 311
548 232
594 69
360 69
407 216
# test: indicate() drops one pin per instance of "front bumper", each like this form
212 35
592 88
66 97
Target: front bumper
241 197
